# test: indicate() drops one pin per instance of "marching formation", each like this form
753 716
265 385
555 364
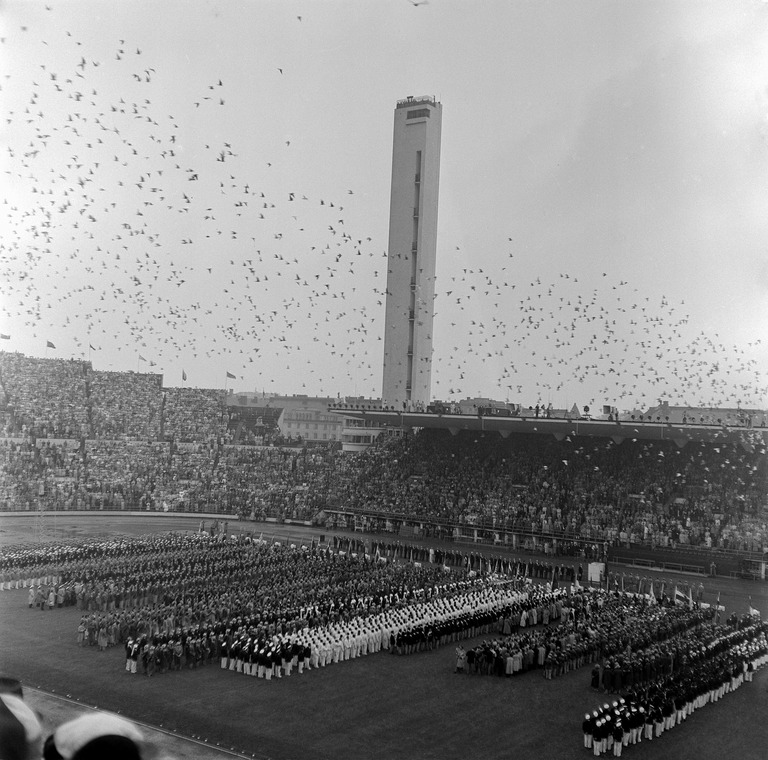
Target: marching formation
715 661
181 602
187 600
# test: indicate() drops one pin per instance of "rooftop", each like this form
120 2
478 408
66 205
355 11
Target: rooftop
415 100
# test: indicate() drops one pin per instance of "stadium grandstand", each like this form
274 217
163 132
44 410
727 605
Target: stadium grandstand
75 438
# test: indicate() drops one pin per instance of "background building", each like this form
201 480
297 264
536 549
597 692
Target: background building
412 252
258 417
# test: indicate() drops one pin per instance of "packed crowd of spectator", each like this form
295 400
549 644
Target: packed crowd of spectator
125 405
701 495
47 397
146 447
195 415
629 493
270 481
57 398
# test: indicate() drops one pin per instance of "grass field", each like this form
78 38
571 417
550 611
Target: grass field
380 706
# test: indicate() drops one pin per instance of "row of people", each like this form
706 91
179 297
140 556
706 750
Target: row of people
623 671
244 646
728 657
463 612
595 623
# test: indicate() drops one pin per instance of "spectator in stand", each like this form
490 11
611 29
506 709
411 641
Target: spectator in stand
125 405
636 491
45 398
173 454
195 415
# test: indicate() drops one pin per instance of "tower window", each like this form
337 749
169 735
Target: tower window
419 113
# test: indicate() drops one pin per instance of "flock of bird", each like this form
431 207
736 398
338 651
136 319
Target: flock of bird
571 334
133 229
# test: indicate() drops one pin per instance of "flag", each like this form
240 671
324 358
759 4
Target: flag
48 344
690 598
141 358
652 596
680 597
752 611
3 336
231 376
183 376
554 577
93 348
718 610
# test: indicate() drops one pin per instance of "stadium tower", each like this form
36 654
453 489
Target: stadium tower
412 252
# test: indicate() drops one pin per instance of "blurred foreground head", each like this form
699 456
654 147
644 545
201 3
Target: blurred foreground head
20 730
94 736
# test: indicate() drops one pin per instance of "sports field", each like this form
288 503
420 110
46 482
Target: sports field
380 706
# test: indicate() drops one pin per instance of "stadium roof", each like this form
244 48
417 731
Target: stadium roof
559 428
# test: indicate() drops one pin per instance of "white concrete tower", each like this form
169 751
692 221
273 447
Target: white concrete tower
412 252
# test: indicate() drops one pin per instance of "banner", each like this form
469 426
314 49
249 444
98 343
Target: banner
595 572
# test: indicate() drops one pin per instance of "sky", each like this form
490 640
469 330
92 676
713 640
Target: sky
202 188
